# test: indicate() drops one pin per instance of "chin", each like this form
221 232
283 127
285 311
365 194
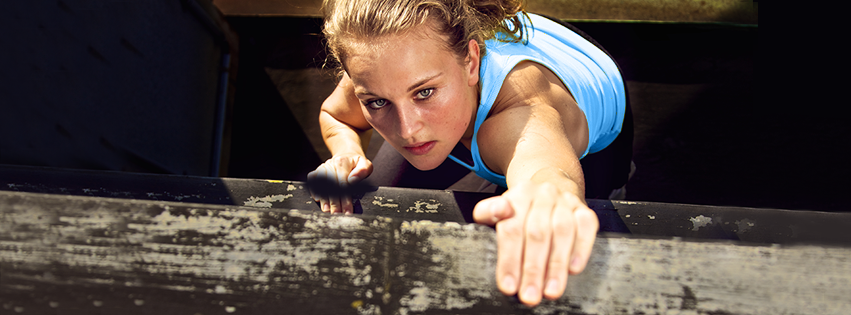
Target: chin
425 164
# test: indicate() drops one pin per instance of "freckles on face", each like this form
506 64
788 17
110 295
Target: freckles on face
415 93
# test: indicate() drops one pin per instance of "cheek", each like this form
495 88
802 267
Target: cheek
380 123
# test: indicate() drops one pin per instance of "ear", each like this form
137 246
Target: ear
472 62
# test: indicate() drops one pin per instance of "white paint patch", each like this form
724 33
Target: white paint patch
291 187
265 202
465 282
417 300
744 225
379 201
349 223
421 206
700 221
652 217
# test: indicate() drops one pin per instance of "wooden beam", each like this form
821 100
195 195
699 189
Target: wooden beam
731 11
767 226
82 255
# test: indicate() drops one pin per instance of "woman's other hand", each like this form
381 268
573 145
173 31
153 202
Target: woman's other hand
340 171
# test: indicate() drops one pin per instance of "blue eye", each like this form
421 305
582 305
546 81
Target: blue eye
425 93
377 104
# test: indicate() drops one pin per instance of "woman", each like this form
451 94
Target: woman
524 94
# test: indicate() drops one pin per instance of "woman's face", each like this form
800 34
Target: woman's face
416 93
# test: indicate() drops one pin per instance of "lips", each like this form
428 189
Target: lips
421 148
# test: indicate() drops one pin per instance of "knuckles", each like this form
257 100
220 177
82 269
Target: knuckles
537 233
510 229
562 226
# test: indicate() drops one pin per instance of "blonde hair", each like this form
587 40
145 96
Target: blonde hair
460 20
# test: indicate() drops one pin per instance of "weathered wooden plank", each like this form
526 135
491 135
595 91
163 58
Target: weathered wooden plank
85 255
236 257
434 205
769 226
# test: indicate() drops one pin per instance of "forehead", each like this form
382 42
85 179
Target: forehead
386 61
423 33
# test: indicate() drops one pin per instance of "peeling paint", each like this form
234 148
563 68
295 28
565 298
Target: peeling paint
465 278
265 202
379 202
422 206
744 225
291 187
700 221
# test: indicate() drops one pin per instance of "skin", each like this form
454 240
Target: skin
412 90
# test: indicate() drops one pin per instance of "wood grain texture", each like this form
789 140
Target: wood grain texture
757 225
90 255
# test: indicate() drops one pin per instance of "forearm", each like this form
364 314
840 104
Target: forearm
557 166
339 137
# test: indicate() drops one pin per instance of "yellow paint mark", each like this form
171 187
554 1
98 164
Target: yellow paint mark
275 181
357 304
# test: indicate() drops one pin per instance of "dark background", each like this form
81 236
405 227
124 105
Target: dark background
702 133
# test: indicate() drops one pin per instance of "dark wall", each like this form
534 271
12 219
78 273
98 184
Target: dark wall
110 85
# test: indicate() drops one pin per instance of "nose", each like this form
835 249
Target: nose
410 121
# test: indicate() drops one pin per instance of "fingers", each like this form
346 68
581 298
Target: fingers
547 236
538 236
343 202
492 210
509 235
362 169
341 171
324 200
587 226
564 231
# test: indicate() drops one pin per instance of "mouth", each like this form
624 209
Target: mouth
420 148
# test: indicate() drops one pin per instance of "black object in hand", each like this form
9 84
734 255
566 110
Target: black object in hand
329 187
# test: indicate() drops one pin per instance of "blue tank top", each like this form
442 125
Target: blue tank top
589 73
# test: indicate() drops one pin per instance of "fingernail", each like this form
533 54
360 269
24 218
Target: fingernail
508 283
574 263
530 293
552 287
353 179
325 207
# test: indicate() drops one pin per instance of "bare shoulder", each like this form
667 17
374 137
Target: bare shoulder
531 84
532 99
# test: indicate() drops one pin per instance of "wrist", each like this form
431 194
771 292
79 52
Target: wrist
562 179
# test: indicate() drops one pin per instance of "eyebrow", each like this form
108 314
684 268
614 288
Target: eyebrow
423 82
362 91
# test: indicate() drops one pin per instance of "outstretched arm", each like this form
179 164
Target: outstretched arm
545 230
